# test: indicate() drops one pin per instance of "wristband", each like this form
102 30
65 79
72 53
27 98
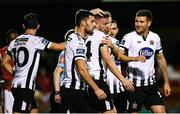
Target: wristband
57 92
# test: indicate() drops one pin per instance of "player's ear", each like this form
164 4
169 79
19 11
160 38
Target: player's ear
83 22
149 23
38 26
23 26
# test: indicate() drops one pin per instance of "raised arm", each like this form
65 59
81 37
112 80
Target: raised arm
120 54
57 46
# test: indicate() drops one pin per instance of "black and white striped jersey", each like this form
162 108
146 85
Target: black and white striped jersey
25 52
115 85
75 50
142 74
96 65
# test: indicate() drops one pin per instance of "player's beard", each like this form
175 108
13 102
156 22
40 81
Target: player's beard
89 32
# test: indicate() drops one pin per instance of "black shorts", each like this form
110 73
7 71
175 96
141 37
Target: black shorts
147 95
24 100
119 100
76 101
54 107
100 106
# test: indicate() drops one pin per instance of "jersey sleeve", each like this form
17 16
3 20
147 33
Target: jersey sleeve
79 51
42 43
61 60
125 43
159 46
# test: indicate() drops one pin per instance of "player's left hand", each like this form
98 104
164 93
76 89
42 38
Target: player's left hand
167 89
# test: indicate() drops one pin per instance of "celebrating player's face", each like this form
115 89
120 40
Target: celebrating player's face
90 25
141 24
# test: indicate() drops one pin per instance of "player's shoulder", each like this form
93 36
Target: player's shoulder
98 33
114 40
154 35
131 34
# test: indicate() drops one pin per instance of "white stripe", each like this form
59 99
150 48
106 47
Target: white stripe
107 105
23 106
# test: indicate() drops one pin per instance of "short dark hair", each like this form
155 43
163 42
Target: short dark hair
9 37
11 31
114 21
146 13
82 15
31 21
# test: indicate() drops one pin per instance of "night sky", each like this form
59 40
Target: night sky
58 17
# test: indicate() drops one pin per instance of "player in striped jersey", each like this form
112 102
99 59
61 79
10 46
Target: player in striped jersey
99 60
55 98
25 51
74 96
116 88
142 41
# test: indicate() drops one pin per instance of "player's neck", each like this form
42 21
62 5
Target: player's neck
81 33
30 31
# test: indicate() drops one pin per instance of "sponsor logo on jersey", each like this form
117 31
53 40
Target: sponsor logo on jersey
151 42
147 52
122 42
45 42
80 51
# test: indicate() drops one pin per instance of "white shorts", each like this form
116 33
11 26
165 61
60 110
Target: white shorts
8 101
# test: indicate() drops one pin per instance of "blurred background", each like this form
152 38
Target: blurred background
57 16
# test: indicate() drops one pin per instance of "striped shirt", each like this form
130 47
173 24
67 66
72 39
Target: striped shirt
25 52
75 50
96 65
115 85
142 74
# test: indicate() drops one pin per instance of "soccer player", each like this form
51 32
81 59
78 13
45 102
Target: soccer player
99 59
25 51
7 94
142 41
74 97
55 98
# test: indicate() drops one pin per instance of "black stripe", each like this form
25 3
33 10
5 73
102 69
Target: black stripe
157 51
81 85
46 46
31 69
125 49
100 64
115 89
73 82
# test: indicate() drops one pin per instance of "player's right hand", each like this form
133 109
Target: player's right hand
57 98
100 94
128 85
141 58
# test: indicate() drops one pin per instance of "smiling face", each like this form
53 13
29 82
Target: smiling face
142 24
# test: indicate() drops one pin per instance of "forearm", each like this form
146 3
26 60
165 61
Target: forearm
125 58
8 68
57 46
56 81
115 50
163 67
87 78
113 68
